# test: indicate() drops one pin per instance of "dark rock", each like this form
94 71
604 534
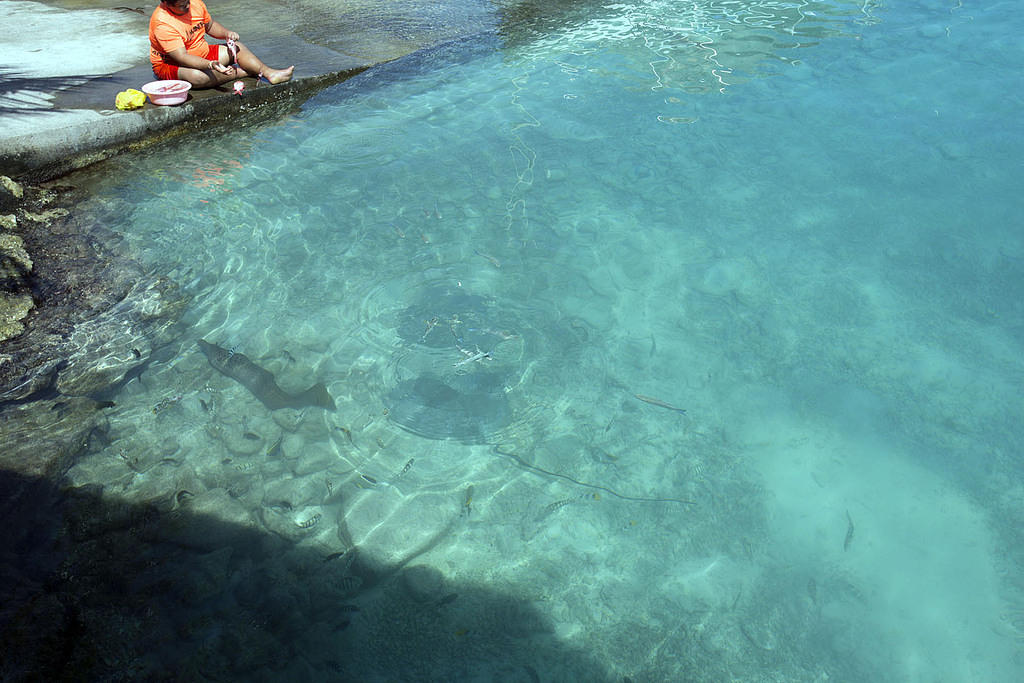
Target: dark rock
41 438
83 318
10 193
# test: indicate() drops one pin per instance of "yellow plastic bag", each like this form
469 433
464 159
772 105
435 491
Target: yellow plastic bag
130 99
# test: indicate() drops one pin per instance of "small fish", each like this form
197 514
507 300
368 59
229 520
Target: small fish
334 556
423 236
349 584
431 324
399 231
350 558
493 261
405 468
472 357
557 505
658 402
205 405
251 436
849 532
368 479
309 523
137 354
275 450
245 466
447 600
347 432
454 322
467 501
165 403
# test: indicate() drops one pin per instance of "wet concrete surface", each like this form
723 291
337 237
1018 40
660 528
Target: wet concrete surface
66 60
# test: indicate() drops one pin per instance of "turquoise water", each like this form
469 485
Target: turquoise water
796 222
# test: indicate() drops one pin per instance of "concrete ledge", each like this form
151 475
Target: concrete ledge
43 156
56 105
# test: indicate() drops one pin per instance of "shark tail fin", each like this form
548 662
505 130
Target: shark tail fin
319 396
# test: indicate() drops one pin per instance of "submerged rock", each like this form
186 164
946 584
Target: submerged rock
214 519
15 289
16 262
79 317
10 193
13 309
62 426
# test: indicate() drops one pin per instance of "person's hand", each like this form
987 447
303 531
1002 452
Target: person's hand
232 35
220 68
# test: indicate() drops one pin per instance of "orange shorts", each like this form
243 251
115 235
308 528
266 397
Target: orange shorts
169 72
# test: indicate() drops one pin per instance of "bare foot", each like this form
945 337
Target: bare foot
279 75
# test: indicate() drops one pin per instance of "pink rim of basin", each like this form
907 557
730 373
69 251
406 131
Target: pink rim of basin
167 92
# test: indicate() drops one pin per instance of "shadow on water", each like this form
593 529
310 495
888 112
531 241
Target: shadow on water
93 589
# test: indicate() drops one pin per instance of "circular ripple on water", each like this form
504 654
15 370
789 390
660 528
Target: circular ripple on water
461 352
469 364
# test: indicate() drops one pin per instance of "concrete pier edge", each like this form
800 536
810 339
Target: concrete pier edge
40 157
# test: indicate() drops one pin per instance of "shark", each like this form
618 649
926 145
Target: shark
262 383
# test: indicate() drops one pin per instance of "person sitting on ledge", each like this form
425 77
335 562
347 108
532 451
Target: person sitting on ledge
179 51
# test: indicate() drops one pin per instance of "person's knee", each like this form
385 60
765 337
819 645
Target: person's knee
198 79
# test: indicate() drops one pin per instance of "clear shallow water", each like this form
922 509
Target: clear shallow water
797 222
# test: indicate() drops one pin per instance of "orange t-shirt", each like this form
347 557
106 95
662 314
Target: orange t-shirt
168 32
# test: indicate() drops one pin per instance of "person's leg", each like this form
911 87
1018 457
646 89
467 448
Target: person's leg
208 78
254 67
165 72
250 65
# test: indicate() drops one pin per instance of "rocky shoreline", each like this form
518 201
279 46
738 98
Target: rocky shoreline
78 318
